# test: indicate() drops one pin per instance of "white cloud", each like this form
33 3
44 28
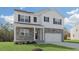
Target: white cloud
9 19
73 11
66 21
22 8
72 20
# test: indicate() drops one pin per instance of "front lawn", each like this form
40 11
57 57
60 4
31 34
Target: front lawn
72 41
10 46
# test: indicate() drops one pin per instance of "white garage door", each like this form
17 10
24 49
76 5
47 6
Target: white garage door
52 37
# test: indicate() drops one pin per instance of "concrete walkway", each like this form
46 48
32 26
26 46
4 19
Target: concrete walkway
72 45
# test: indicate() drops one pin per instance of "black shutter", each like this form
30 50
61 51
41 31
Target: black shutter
35 19
18 17
60 22
48 19
44 18
53 20
29 18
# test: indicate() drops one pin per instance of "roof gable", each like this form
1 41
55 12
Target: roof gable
49 9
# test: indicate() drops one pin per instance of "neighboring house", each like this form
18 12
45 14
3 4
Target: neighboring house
75 32
66 34
45 26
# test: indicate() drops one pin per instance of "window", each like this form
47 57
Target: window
57 21
22 18
54 22
60 21
46 19
24 32
27 18
35 19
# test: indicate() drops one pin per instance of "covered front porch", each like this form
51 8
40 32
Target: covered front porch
28 33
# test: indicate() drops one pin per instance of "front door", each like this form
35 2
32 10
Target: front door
36 34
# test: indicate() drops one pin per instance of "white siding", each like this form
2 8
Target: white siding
27 14
40 19
50 24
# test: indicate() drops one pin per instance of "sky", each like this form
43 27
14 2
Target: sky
71 14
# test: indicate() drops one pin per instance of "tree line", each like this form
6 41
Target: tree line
6 32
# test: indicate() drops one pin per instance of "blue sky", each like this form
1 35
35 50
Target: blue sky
69 13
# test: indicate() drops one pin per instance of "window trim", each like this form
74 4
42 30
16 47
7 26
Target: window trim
22 18
59 22
54 22
24 21
28 19
35 19
23 30
46 20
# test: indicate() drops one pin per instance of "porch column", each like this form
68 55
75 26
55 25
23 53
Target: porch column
34 34
14 33
43 34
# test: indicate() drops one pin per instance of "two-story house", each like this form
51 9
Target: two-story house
45 26
74 32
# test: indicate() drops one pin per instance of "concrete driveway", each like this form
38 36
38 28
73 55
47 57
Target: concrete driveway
72 45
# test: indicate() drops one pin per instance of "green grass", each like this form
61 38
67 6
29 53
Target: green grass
72 41
10 46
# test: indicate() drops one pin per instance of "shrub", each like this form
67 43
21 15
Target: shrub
28 42
16 42
33 42
20 43
23 42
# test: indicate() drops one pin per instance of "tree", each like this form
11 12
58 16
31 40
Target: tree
6 32
66 34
